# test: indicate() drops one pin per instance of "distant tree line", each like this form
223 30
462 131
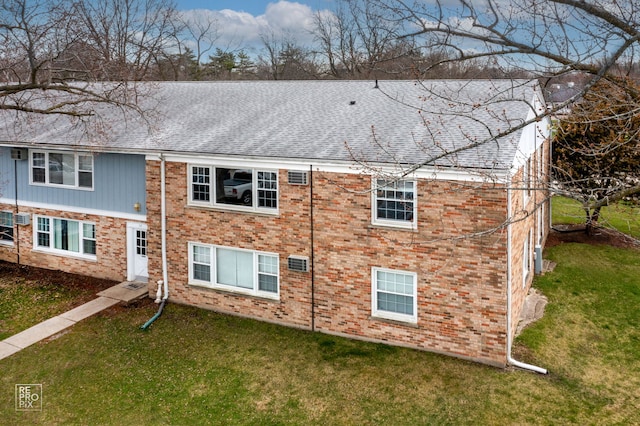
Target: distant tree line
135 40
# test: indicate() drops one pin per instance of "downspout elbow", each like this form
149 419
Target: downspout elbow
525 366
510 359
166 290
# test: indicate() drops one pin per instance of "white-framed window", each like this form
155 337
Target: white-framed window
540 172
67 169
243 189
6 227
394 203
243 271
65 236
394 295
526 258
526 179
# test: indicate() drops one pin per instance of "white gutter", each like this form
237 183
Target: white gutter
163 218
510 360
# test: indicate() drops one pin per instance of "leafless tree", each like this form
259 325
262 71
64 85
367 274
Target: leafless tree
360 40
597 149
546 38
543 40
126 34
282 58
197 34
74 58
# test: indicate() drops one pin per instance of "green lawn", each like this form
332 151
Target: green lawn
31 295
623 216
197 367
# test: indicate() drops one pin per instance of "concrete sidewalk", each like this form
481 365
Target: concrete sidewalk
125 292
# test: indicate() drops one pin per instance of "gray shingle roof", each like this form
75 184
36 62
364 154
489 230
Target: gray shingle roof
334 121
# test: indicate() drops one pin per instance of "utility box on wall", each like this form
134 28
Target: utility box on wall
538 260
23 218
18 153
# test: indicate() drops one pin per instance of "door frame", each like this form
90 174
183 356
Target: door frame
132 227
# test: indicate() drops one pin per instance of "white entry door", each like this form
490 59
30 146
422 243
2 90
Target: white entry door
137 261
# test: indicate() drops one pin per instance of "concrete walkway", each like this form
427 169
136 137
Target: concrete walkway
125 292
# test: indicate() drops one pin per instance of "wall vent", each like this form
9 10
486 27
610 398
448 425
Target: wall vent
298 177
18 153
23 218
298 263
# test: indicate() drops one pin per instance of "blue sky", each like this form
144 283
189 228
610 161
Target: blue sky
241 24
254 7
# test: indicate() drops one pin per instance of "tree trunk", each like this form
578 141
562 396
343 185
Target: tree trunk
592 220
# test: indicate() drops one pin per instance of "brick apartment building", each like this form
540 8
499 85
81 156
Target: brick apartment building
296 203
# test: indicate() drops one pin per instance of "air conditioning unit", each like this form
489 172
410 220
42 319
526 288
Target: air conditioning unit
537 259
298 177
23 218
298 263
18 153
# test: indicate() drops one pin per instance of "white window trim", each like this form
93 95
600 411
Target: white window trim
65 253
76 167
526 180
526 259
375 312
13 221
233 289
213 188
413 224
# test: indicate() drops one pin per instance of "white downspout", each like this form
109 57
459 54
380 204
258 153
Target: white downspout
510 360
163 218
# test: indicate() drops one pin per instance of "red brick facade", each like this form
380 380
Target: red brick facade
458 252
530 219
111 246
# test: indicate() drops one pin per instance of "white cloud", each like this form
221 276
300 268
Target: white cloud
287 16
238 29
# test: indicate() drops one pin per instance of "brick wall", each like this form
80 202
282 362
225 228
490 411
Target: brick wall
527 223
111 253
285 234
8 251
461 277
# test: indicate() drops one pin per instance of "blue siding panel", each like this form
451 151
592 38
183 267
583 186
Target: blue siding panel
118 183
6 174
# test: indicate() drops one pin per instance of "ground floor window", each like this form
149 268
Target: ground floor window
238 270
6 227
65 236
394 295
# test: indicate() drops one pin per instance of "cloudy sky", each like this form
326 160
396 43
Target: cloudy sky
241 23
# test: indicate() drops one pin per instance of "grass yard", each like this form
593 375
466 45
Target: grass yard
31 295
198 367
623 216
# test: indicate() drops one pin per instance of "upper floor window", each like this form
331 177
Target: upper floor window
394 203
65 236
243 271
526 179
250 189
67 169
6 227
394 295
